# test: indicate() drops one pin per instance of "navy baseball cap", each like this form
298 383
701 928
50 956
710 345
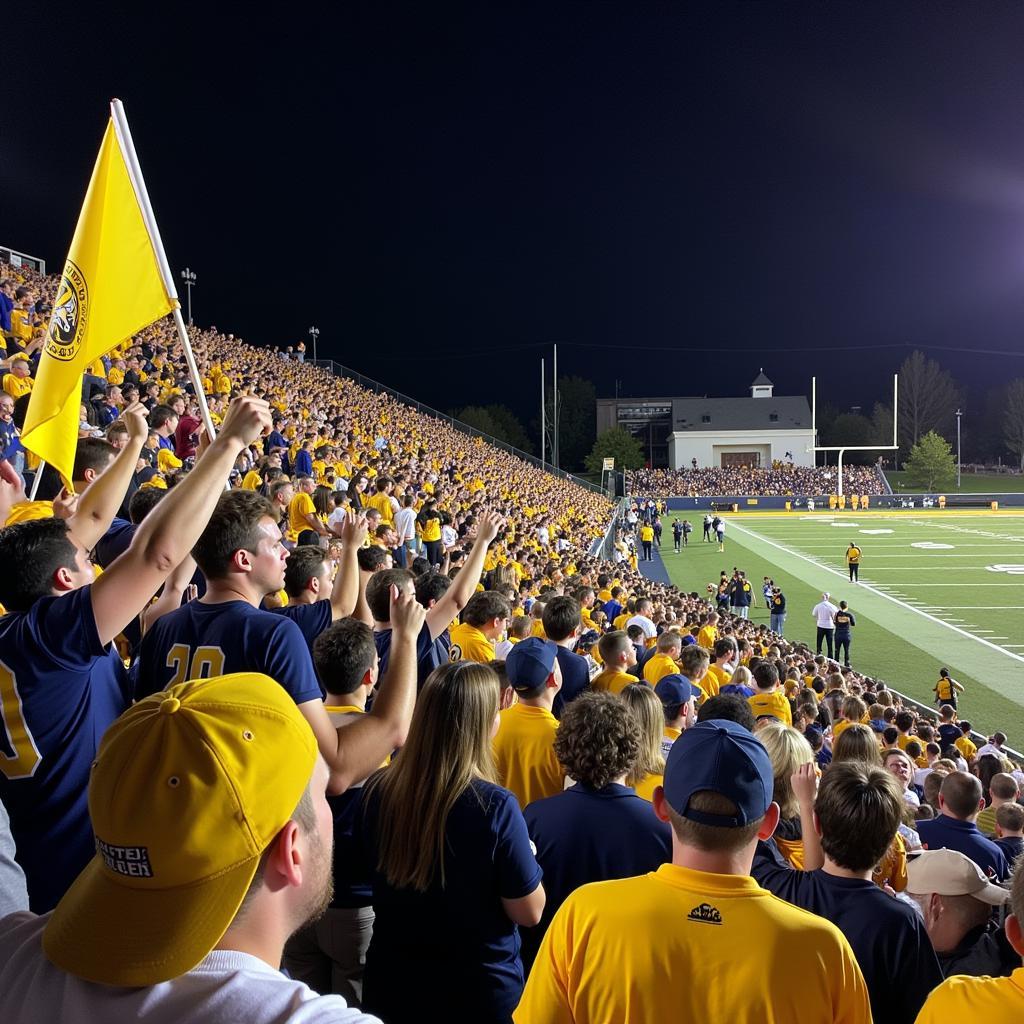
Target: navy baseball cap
674 689
721 757
530 662
689 639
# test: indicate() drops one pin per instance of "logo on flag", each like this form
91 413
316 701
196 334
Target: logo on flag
70 315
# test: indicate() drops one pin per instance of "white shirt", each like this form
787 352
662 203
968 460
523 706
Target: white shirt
224 988
543 537
823 613
990 748
337 518
449 536
650 630
405 524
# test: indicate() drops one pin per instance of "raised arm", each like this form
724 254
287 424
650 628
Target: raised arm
354 751
805 787
98 506
345 592
464 585
168 534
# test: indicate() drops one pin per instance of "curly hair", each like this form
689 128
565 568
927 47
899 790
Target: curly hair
598 740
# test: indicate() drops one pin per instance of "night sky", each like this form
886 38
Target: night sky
677 194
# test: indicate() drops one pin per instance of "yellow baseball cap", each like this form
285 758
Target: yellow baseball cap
188 789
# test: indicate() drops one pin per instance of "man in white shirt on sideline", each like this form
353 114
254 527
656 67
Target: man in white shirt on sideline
824 612
214 840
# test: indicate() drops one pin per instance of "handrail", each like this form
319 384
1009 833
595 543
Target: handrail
374 385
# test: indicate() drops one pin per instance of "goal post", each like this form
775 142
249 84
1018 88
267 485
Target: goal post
841 449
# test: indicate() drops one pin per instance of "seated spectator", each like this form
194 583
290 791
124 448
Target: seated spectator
664 660
452 868
222 841
1010 831
524 746
957 902
691 916
960 801
598 828
856 814
768 699
1003 789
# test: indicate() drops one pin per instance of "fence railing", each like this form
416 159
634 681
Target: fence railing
375 385
604 547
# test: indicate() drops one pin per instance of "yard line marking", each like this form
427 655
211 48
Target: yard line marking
887 597
983 607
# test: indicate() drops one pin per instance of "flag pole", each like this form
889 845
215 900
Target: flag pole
124 138
36 480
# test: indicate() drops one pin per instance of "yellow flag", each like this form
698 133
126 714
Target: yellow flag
111 288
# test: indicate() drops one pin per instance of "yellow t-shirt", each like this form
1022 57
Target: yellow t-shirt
615 950
382 503
470 644
839 727
646 533
669 737
17 386
658 666
714 679
430 531
300 507
537 629
963 998
774 704
524 753
967 747
646 786
612 680
707 636
252 481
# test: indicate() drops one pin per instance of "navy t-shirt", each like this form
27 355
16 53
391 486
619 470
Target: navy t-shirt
452 947
575 679
312 619
430 653
587 835
948 735
888 936
954 834
61 688
202 640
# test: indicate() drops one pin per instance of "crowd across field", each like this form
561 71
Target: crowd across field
781 480
351 696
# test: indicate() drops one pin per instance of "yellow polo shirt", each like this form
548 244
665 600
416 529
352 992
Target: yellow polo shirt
774 704
658 666
963 998
470 644
707 636
619 951
646 786
613 680
300 507
524 753
714 679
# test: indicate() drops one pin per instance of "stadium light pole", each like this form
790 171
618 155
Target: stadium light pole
314 333
554 417
543 416
189 277
958 415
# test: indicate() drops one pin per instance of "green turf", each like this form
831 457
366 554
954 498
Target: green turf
908 600
970 483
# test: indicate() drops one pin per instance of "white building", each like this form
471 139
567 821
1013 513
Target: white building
754 431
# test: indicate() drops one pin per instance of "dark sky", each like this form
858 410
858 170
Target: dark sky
677 194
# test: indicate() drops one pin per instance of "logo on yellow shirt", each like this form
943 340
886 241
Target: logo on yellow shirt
70 313
706 914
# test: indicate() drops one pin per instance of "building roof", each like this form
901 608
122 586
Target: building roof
725 414
761 380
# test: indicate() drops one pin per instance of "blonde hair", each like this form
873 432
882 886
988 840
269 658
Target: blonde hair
787 749
646 709
449 746
742 677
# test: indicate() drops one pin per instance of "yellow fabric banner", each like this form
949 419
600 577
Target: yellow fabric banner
111 288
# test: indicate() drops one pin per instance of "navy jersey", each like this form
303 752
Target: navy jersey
312 619
60 689
575 679
203 640
430 653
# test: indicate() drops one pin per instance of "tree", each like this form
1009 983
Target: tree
577 420
497 420
619 444
1013 418
928 399
931 465
852 429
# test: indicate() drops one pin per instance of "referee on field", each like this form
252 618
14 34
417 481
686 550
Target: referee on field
853 561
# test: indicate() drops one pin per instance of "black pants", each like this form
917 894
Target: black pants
826 635
843 647
854 571
647 550
435 551
707 532
676 542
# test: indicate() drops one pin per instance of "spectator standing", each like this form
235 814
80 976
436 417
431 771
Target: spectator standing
853 555
777 605
563 624
843 622
692 915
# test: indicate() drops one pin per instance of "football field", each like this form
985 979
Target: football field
936 589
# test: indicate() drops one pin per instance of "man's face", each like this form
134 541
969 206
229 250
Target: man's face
269 558
20 368
6 408
899 767
115 398
308 486
318 882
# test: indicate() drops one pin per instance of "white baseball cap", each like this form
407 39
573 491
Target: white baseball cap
950 873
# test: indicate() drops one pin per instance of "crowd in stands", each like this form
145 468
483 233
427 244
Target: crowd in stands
781 480
342 690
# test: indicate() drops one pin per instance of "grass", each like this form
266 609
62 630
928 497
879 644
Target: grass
970 483
917 608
